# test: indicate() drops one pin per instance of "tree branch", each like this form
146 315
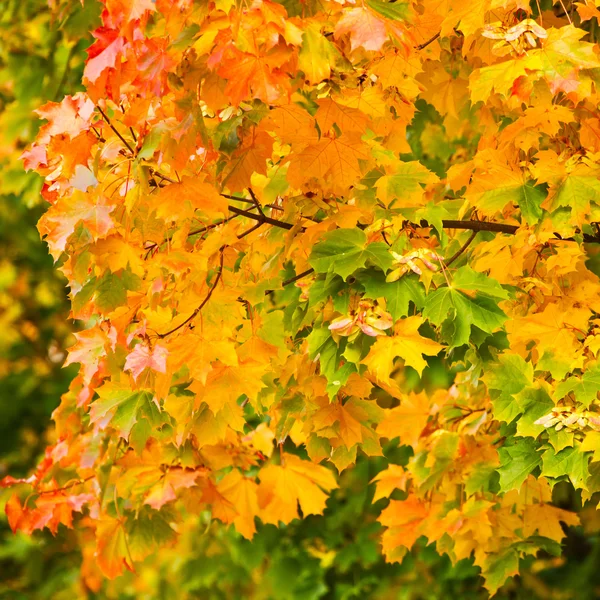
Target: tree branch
462 249
203 303
230 197
260 218
108 122
501 228
292 279
68 486
429 41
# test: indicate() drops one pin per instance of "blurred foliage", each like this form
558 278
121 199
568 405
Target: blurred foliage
41 56
335 556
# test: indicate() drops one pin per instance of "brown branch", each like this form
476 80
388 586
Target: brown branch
429 41
163 177
230 197
476 226
261 218
300 276
292 279
502 228
68 486
249 231
190 234
256 202
461 249
203 303
108 122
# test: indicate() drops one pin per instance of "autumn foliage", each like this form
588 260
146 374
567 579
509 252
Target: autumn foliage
269 247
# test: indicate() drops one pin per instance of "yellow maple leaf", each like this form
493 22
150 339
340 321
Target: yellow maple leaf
294 483
406 343
393 478
404 521
180 200
242 493
343 420
408 420
545 520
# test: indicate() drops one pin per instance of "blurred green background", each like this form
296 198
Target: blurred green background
42 52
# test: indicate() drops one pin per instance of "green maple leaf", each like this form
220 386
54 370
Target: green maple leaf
510 374
498 568
585 388
526 195
398 294
534 403
516 463
343 251
570 462
123 403
459 311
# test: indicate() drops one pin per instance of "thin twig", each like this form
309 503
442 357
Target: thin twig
163 177
429 41
203 303
108 122
462 249
292 279
249 231
261 218
256 202
190 234
229 197
68 486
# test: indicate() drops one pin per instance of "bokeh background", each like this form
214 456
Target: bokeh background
42 53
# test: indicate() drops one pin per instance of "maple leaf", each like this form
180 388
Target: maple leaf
119 405
347 418
388 480
90 348
544 519
406 421
403 520
345 250
464 310
251 157
104 54
243 495
406 343
166 490
143 357
201 196
294 483
317 56
366 29
111 547
59 222
334 160
254 75
405 184
69 117
50 510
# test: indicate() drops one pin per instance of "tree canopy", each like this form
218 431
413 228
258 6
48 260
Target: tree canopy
297 234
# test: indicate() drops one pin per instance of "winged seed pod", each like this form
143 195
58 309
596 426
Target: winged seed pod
562 417
408 262
527 28
369 318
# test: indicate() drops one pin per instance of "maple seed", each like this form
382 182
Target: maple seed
369 318
408 262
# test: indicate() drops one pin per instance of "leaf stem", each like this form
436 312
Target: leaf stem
203 303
